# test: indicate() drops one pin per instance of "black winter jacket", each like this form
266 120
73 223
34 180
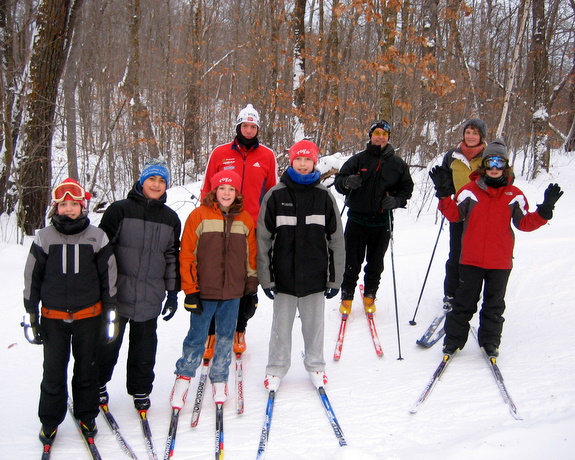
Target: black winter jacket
382 172
71 266
145 235
300 239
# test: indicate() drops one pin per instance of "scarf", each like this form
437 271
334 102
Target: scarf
303 179
471 152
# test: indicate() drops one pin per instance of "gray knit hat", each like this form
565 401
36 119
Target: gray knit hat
478 124
497 148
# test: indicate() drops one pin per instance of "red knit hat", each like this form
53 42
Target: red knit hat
69 189
226 177
303 148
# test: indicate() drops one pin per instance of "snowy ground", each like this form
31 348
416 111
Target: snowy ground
465 417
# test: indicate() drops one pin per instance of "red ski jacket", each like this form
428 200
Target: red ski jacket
487 213
257 167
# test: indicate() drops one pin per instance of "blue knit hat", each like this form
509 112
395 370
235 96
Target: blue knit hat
155 167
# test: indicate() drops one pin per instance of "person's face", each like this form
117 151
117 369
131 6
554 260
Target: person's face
154 187
226 195
494 172
70 208
494 166
471 137
379 137
249 130
303 165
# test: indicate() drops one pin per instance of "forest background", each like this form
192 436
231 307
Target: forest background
115 83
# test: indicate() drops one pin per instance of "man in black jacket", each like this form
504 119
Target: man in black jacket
375 181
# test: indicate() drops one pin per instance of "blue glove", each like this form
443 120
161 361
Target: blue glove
271 292
192 303
330 293
170 306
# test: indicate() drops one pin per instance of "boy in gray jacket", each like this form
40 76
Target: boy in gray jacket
145 234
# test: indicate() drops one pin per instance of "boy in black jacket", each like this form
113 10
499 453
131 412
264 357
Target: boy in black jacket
300 257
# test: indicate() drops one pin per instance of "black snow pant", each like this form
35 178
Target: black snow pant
452 265
83 338
143 343
472 279
362 242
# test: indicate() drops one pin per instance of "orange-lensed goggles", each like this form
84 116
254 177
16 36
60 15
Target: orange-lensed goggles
75 191
380 132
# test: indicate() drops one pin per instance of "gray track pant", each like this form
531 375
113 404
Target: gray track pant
311 309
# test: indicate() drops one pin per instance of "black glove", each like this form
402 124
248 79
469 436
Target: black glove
34 332
112 328
192 303
250 303
170 305
271 292
552 194
353 182
330 293
441 177
389 202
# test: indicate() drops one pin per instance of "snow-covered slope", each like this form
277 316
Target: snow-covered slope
465 416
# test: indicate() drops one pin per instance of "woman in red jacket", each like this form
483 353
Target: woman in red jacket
486 206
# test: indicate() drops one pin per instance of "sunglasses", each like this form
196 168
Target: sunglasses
380 132
75 191
495 162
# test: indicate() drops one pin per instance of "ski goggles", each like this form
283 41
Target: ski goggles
380 132
495 162
75 191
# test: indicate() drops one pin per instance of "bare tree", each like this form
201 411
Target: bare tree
540 78
55 28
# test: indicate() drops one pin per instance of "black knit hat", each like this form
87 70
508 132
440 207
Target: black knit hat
380 124
478 124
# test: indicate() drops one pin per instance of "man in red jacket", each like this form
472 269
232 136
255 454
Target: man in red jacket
256 165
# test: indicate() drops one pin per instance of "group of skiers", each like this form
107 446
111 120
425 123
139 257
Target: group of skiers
84 285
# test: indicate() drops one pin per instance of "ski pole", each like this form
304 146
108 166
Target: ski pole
412 322
345 203
394 286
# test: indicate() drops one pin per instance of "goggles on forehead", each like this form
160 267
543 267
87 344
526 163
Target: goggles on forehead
380 132
75 191
495 162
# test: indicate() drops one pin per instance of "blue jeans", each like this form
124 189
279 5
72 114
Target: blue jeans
225 313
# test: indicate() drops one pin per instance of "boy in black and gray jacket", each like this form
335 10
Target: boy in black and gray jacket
300 260
71 271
